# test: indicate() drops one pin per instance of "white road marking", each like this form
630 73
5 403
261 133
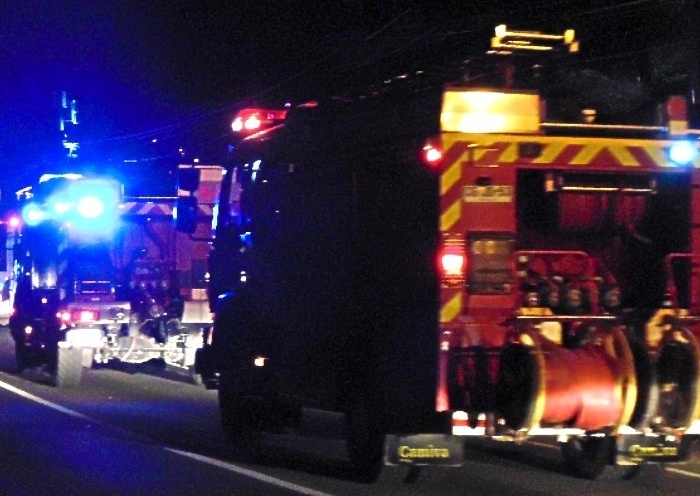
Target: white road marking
249 473
683 472
230 466
200 458
42 401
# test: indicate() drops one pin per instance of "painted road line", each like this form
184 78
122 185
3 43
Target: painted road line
42 401
249 473
200 458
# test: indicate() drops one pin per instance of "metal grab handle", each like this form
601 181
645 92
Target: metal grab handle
607 189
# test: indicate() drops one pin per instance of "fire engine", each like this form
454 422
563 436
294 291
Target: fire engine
101 276
439 264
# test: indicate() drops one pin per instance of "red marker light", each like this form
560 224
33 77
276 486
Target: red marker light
452 261
249 120
79 315
87 315
452 264
432 154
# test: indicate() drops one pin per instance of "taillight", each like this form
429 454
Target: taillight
79 315
452 261
87 315
432 154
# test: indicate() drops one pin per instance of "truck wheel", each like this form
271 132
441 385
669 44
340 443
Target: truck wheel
68 369
20 358
238 418
587 457
364 439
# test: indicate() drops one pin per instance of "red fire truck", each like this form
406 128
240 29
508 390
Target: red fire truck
101 277
523 278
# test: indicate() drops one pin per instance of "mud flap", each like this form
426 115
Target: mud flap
68 369
640 448
424 449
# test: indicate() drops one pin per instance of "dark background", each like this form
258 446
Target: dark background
176 71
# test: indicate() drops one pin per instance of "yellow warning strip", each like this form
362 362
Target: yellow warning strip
450 177
550 153
451 215
451 309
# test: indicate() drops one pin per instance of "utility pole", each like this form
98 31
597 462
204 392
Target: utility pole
69 121
693 16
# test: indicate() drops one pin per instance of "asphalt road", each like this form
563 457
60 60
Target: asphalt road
151 432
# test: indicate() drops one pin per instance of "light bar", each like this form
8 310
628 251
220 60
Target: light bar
254 119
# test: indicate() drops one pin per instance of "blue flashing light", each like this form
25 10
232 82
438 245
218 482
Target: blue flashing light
60 206
33 214
90 207
95 207
683 152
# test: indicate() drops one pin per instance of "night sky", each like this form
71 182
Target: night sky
176 70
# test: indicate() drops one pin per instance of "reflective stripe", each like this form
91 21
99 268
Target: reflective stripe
159 209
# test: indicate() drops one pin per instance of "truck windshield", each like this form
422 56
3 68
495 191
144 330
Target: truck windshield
90 272
91 262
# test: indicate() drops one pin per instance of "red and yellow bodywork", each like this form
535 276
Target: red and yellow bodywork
495 345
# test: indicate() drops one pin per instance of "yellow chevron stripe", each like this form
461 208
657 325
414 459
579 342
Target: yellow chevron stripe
509 155
451 309
478 152
554 146
586 154
658 155
451 215
623 155
550 152
450 177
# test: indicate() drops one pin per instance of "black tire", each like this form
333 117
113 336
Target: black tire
195 378
239 418
364 439
587 457
20 357
68 369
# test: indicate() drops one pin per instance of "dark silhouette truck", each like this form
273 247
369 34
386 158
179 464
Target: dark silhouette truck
440 262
